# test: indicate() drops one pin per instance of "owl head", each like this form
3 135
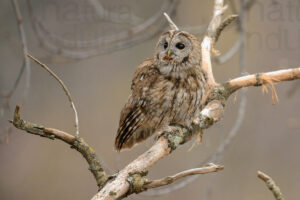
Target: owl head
177 50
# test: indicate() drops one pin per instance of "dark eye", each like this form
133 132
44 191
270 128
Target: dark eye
180 46
165 45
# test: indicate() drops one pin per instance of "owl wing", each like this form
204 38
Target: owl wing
132 128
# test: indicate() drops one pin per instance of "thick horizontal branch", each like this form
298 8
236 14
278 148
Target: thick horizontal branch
171 179
77 143
263 79
271 185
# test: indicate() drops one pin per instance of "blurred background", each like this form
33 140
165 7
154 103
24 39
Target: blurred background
94 46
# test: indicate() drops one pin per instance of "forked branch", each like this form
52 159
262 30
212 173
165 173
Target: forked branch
76 143
216 26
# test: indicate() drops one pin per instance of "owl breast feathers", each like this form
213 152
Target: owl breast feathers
166 89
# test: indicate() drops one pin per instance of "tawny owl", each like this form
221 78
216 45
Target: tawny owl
166 89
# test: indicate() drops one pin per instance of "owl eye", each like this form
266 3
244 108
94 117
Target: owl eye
165 45
180 46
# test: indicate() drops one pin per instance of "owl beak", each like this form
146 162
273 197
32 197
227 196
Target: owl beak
169 52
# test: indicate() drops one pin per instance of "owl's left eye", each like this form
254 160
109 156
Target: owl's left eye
165 45
180 46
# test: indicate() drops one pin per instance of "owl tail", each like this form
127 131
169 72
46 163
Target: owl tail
138 136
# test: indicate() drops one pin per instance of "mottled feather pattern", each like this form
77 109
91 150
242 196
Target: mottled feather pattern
166 89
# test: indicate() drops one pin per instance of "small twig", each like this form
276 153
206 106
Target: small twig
64 88
223 25
171 23
246 6
271 185
171 179
77 143
138 182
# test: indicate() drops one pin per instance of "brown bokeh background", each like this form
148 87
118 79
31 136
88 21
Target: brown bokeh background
268 139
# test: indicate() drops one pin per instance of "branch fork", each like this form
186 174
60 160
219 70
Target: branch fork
76 143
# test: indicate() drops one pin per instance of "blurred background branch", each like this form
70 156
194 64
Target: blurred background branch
6 97
138 30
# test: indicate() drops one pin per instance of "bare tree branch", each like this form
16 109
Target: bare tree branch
259 79
271 185
64 88
172 138
245 7
77 143
170 179
214 30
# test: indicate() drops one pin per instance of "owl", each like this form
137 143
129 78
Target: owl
166 89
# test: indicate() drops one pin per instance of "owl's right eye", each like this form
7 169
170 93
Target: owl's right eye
165 45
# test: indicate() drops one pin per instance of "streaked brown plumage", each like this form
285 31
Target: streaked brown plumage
166 89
